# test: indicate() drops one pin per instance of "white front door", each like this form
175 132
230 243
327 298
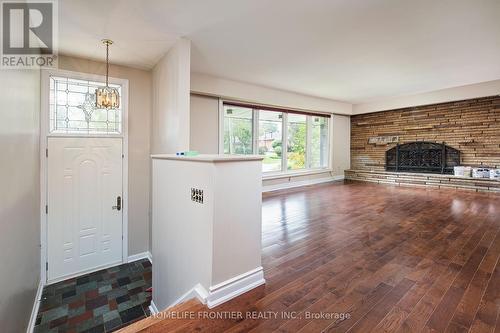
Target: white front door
84 220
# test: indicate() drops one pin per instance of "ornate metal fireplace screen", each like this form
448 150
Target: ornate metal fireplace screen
422 157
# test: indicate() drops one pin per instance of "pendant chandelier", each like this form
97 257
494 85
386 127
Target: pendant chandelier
107 97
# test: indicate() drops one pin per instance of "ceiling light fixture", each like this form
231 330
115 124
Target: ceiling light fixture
107 97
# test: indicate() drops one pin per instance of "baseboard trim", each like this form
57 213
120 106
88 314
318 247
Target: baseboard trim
222 292
292 184
140 256
234 287
153 308
196 292
36 307
150 257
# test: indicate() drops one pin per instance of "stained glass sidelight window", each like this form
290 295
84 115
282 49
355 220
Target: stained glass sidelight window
73 111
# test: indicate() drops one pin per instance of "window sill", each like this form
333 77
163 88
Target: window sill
295 173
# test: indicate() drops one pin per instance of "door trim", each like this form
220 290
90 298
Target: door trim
44 135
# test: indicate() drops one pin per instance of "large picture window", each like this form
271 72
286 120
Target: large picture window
289 141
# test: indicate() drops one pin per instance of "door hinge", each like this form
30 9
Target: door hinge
47 266
123 155
46 209
47 152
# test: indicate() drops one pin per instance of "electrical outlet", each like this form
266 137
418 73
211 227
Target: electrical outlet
196 195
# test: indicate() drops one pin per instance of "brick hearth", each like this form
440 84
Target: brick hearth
425 180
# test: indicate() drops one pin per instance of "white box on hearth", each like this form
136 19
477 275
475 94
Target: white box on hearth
495 174
462 171
481 173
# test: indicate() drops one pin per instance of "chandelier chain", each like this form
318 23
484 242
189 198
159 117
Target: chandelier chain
107 63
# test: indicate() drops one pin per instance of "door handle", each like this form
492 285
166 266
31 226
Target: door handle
118 203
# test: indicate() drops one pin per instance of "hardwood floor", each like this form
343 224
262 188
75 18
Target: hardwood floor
392 259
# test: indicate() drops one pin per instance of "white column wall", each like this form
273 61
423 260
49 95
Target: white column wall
171 85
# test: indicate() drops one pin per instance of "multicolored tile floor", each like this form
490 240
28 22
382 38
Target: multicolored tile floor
104 301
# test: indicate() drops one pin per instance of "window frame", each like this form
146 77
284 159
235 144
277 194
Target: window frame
284 172
122 83
89 133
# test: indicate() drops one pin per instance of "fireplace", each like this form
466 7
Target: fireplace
422 156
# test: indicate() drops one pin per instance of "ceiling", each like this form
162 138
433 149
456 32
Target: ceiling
353 51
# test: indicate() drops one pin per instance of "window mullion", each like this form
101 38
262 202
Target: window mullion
284 142
255 132
329 157
308 141
221 123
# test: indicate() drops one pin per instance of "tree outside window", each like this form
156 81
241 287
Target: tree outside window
238 130
297 133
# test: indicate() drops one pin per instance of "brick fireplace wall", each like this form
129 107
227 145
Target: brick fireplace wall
471 126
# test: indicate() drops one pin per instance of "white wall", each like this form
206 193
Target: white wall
237 219
171 82
229 89
204 120
483 89
19 196
341 144
182 230
246 92
210 243
139 127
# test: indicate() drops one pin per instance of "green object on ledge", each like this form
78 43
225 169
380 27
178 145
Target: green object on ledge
187 153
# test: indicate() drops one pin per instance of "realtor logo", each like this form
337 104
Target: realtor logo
28 34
